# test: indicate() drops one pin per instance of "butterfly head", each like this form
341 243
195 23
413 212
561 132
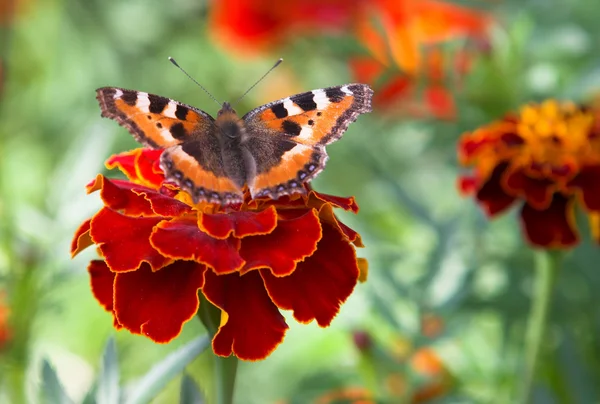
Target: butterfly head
226 109
228 122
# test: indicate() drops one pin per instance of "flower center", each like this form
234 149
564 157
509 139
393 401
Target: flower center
557 135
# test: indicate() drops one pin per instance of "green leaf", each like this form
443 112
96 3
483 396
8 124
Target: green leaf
108 380
52 391
189 392
90 396
163 372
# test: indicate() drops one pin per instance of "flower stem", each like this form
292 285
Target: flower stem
225 371
547 264
225 368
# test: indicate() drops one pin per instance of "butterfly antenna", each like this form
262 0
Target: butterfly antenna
191 78
259 80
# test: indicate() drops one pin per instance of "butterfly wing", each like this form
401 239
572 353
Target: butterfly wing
192 156
287 138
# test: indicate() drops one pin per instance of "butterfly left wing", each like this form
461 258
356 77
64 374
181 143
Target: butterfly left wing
191 156
154 121
287 138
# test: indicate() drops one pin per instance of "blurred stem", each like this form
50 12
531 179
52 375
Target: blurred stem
547 264
225 369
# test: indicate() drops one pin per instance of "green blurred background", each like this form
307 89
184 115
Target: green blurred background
433 254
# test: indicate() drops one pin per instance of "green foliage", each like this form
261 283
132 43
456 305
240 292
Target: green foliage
107 390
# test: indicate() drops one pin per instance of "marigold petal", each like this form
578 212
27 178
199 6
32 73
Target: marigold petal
363 266
157 303
239 224
181 238
471 144
254 327
119 195
326 213
467 185
82 239
537 191
125 162
553 227
163 203
292 240
587 184
337 201
102 280
492 196
139 165
320 283
124 241
137 200
147 164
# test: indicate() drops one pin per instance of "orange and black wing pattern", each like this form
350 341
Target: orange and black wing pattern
287 138
192 156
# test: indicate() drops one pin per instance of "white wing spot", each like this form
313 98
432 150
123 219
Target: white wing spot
170 110
166 136
292 109
321 99
143 102
305 134
118 94
345 90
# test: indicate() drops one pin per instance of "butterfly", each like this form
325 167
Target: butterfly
273 150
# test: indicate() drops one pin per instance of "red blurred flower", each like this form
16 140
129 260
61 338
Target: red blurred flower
257 25
5 333
546 158
159 250
403 39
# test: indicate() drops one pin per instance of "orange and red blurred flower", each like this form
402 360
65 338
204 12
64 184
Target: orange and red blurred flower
545 158
159 251
5 333
404 40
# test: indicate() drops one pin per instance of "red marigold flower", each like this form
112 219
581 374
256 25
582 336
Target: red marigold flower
159 250
405 52
547 157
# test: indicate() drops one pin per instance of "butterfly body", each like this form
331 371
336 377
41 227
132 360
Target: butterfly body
273 150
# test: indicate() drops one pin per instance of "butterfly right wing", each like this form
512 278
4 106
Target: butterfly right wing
287 138
191 157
